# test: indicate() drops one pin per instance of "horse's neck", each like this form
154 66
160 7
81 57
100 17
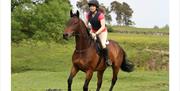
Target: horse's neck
83 40
81 43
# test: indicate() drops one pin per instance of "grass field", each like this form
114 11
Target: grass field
135 81
38 66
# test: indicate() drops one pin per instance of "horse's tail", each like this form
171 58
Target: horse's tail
126 64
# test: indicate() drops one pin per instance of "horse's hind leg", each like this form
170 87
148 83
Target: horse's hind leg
115 73
71 76
100 77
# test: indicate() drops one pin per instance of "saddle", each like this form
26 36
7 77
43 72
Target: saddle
98 46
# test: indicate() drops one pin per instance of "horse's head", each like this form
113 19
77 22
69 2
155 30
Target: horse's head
72 26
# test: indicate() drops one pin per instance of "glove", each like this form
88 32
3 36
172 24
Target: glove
93 36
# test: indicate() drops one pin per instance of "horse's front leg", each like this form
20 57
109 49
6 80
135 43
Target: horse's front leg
74 70
100 77
89 75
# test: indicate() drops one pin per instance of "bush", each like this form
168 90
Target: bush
156 27
110 29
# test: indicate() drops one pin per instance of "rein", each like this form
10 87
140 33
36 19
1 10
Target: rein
82 50
86 37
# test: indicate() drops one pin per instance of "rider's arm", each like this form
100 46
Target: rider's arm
102 21
87 22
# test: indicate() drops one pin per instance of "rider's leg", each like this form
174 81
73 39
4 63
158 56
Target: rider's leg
103 38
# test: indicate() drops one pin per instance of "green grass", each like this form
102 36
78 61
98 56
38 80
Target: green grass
135 81
37 66
136 48
141 41
27 57
41 57
126 28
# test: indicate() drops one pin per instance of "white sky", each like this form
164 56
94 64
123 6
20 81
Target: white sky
147 13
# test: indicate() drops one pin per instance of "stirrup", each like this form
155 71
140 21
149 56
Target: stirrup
108 63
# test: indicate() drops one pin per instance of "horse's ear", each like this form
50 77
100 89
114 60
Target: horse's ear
71 13
77 13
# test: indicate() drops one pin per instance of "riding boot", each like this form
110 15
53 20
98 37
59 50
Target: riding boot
106 57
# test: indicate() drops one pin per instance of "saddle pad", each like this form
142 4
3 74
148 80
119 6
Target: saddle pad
107 42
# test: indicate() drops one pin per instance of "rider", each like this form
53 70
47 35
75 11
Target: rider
97 20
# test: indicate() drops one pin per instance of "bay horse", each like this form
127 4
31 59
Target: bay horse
86 58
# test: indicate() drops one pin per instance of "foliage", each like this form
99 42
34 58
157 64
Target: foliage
40 20
123 11
83 5
16 3
166 27
109 28
156 27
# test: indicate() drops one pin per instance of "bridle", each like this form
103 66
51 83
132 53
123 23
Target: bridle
86 37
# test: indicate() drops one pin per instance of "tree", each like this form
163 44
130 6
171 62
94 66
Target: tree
156 27
166 26
16 3
83 5
117 8
40 20
127 13
123 12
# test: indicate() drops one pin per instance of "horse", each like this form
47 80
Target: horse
86 58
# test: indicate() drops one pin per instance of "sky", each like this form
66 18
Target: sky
147 13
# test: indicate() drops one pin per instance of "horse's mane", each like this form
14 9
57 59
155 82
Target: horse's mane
83 25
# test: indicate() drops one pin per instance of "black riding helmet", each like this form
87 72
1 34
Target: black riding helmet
93 2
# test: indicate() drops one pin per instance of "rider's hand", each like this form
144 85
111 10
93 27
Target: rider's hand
93 35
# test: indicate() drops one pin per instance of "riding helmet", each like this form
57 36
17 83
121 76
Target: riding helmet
93 2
